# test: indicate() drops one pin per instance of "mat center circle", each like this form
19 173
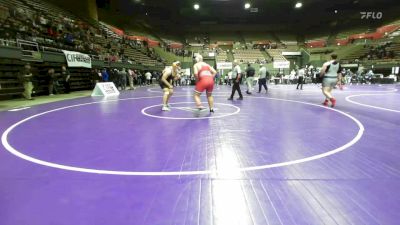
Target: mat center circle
188 111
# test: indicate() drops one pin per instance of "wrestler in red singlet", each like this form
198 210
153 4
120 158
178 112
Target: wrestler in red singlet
204 74
206 80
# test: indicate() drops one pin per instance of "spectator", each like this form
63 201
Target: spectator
26 77
131 76
262 79
52 81
122 79
301 79
96 77
105 75
148 77
250 72
66 79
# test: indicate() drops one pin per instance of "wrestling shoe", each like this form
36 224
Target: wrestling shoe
165 108
333 101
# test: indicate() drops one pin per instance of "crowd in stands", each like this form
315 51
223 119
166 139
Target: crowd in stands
264 47
62 32
65 33
380 52
183 52
198 40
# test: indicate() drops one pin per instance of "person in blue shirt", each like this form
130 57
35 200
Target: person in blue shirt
105 75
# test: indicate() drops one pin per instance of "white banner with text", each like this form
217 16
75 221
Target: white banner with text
281 64
77 59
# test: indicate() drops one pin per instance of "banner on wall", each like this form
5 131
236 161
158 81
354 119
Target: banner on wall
281 64
395 70
77 59
291 53
224 65
350 65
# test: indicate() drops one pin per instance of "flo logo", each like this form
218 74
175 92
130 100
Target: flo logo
371 15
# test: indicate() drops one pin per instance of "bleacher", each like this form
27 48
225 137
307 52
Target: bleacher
11 85
95 38
355 54
256 36
276 54
346 33
216 37
396 48
9 78
139 56
222 56
104 40
248 55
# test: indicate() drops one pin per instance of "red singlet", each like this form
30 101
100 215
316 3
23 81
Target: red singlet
206 80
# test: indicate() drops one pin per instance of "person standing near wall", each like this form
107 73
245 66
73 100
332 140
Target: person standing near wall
66 79
148 77
300 80
104 75
262 80
96 77
250 72
122 79
52 81
131 75
26 77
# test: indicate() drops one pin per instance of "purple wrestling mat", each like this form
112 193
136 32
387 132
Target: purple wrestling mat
276 158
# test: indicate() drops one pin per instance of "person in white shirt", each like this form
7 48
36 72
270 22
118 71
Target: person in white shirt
131 74
236 75
300 80
331 73
148 77
262 80
229 80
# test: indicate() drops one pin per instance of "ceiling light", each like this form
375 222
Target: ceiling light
196 6
247 5
298 5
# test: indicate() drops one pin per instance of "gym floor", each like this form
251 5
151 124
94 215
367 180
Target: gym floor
276 158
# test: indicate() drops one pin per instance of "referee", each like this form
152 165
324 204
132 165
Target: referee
236 75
